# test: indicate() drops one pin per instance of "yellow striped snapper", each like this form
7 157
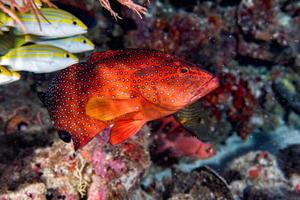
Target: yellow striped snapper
7 76
38 58
54 23
73 44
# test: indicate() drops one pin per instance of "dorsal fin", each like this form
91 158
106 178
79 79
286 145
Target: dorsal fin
99 56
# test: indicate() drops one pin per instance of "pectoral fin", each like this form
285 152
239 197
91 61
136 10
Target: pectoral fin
108 109
124 129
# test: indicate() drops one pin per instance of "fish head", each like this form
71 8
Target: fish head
81 44
72 26
175 84
194 82
66 59
205 150
56 59
64 23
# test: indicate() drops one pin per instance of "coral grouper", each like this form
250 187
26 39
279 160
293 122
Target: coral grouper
125 89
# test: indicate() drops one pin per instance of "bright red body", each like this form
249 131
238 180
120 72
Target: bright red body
125 88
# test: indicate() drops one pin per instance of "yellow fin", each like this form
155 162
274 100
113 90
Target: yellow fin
108 109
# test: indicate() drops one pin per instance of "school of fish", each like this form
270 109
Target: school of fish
46 46
124 89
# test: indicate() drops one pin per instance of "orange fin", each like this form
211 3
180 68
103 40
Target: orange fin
108 109
124 129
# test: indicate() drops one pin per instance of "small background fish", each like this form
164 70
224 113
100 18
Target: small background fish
203 123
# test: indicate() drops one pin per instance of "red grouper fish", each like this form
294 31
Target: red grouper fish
125 89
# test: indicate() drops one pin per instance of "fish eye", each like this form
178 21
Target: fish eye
68 55
184 70
84 41
74 23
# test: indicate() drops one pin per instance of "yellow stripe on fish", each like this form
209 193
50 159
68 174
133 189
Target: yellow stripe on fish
54 23
38 58
74 44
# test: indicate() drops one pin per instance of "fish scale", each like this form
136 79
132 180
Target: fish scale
123 88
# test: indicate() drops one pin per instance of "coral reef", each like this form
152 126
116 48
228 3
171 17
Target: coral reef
256 175
202 183
36 164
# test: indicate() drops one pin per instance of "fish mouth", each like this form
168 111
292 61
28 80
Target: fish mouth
206 88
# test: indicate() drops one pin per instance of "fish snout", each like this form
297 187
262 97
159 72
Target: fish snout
206 88
210 150
206 151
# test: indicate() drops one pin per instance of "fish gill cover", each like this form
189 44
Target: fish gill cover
246 130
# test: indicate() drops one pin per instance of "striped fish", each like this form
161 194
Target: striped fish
73 44
38 58
203 123
55 23
7 76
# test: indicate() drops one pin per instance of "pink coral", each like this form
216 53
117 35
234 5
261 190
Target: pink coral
102 162
97 190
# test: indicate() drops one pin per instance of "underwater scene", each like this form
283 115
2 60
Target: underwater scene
150 100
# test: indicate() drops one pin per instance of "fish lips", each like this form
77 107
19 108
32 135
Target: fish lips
206 88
